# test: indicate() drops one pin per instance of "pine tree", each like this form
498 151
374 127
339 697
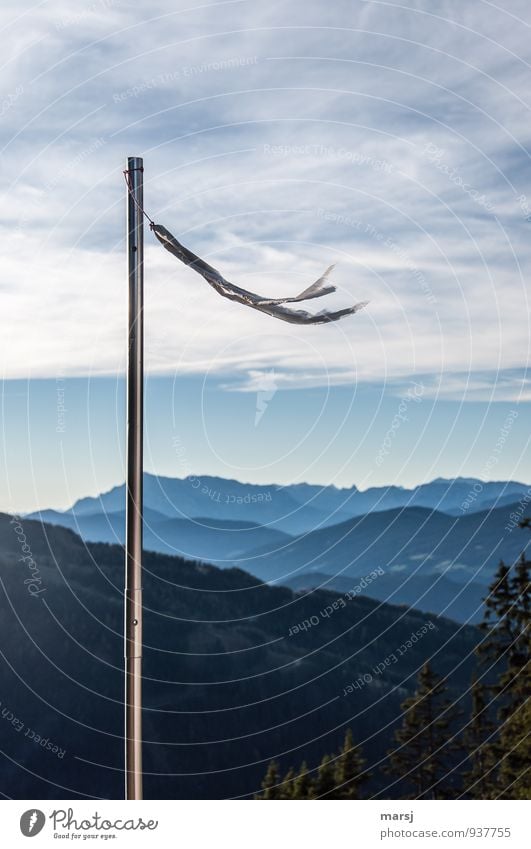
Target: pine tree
324 784
303 784
349 772
286 788
497 621
421 757
506 645
271 782
478 739
520 586
515 744
515 736
517 681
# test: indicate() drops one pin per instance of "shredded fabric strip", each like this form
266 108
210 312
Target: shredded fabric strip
271 306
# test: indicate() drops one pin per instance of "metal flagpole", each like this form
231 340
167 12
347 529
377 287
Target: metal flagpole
134 482
135 427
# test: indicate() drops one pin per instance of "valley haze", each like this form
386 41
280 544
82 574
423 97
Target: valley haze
436 545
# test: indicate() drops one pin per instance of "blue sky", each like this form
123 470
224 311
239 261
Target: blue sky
64 438
392 139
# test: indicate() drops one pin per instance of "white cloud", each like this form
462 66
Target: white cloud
277 139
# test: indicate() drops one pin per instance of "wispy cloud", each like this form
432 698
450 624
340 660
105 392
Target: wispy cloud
277 139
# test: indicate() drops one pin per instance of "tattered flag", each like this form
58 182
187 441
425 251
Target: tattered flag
271 306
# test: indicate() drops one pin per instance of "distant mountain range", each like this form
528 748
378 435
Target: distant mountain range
230 679
296 508
437 554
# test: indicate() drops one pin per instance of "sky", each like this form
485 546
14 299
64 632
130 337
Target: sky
392 139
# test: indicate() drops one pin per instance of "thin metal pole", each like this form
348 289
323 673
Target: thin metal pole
134 482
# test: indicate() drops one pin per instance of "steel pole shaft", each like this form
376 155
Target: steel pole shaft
134 482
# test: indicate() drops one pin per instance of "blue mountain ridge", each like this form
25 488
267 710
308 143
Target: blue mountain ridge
433 559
